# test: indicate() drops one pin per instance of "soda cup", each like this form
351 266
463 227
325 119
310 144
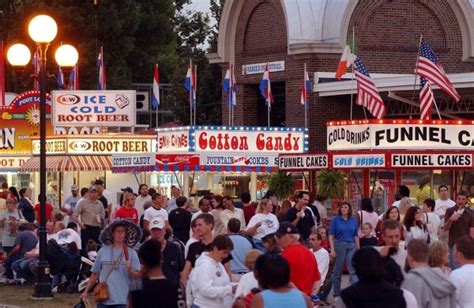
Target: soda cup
315 300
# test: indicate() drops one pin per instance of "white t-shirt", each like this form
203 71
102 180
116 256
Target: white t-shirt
410 299
463 280
269 224
139 202
246 284
396 204
226 215
152 213
432 222
442 205
322 257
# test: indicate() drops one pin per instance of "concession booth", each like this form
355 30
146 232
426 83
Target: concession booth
220 159
377 156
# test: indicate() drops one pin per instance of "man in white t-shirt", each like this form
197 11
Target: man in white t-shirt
156 210
232 212
463 277
142 198
443 203
321 254
391 234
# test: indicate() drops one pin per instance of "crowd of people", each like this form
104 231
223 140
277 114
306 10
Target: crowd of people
153 251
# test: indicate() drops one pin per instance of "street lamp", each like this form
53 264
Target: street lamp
42 29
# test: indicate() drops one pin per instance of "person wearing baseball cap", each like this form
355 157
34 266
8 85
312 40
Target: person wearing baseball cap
303 266
173 262
69 204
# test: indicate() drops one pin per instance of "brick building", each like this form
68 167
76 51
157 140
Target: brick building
387 34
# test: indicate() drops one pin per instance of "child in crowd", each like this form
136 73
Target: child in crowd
368 239
91 250
325 242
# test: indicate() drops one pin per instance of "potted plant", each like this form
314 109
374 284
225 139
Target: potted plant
282 184
331 185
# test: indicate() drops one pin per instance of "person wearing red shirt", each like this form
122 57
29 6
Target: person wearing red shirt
249 209
49 211
303 266
128 210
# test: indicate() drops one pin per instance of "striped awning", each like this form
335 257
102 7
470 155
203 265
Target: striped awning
69 163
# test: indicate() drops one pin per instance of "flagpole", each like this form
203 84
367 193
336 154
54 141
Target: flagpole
305 99
195 92
436 105
352 77
191 94
416 70
232 94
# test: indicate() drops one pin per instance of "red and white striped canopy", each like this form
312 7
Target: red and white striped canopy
69 163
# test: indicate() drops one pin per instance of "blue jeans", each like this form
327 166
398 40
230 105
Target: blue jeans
8 265
22 268
452 262
259 245
344 253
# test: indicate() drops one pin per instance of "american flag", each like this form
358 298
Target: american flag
430 68
367 93
426 99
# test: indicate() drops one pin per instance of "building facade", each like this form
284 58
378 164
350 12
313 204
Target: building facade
292 33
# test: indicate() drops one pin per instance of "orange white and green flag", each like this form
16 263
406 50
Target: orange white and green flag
348 57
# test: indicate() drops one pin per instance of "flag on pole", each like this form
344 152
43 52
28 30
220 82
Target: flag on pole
102 84
36 71
230 86
2 76
266 88
155 101
367 93
346 61
190 85
426 99
305 88
73 83
60 78
429 67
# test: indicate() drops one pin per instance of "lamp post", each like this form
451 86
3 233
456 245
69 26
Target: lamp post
42 29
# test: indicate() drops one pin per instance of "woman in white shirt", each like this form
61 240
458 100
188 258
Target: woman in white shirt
262 223
413 225
209 281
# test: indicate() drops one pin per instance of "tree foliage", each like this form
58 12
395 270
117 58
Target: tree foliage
135 35
282 184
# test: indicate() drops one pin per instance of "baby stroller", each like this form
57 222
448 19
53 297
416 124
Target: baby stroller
67 260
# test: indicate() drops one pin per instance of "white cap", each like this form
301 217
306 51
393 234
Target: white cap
157 222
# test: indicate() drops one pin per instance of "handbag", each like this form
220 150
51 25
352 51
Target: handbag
101 290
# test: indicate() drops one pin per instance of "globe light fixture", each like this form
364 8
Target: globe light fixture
66 56
42 29
18 55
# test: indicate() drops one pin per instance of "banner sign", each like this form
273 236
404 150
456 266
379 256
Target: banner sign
452 160
19 123
175 160
408 136
94 108
259 68
358 161
251 160
173 140
95 146
11 163
303 162
143 160
249 139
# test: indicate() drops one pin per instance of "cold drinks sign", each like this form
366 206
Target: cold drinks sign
93 108
401 134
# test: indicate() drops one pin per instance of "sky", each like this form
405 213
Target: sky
199 5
